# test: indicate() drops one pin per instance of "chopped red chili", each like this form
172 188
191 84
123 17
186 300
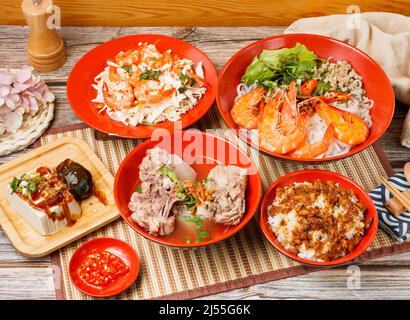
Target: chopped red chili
101 268
308 87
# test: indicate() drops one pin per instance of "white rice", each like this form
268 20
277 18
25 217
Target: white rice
285 223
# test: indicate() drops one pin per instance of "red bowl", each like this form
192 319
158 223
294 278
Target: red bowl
375 82
117 247
312 175
203 151
80 93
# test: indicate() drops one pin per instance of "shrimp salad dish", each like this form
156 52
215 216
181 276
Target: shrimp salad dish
172 200
292 102
318 220
148 86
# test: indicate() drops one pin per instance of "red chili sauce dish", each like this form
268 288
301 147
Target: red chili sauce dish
101 268
104 267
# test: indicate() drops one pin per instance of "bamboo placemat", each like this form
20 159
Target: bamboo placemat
242 260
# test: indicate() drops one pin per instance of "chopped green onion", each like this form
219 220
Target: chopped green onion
127 68
150 74
32 186
182 89
191 201
14 184
169 173
186 79
201 234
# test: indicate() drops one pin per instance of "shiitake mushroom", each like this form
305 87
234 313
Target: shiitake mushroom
78 179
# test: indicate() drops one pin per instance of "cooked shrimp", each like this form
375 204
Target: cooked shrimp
160 96
118 97
336 96
134 78
166 58
246 111
151 91
310 151
113 75
143 88
283 141
349 128
276 137
270 116
289 111
128 58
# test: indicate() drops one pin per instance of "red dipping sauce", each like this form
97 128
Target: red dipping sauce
101 268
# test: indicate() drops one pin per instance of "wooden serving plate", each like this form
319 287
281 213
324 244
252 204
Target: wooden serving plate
95 215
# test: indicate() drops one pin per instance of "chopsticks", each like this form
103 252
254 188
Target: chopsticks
396 193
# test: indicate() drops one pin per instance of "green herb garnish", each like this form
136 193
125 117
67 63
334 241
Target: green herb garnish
194 219
186 79
202 234
181 192
169 173
150 74
321 89
269 84
138 189
127 68
198 221
14 184
276 67
190 202
32 184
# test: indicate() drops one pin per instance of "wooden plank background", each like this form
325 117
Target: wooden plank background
197 12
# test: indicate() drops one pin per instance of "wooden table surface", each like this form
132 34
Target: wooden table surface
25 278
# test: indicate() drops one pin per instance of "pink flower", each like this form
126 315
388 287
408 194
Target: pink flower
23 91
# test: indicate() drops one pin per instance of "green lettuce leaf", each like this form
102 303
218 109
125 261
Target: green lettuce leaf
257 71
276 67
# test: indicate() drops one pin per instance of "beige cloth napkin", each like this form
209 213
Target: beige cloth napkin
384 36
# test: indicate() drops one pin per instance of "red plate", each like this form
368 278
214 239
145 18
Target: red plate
375 82
312 175
80 93
202 151
117 247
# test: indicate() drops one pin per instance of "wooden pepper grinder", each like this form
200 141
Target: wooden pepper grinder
45 47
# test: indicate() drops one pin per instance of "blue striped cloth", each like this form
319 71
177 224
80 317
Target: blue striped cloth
397 227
